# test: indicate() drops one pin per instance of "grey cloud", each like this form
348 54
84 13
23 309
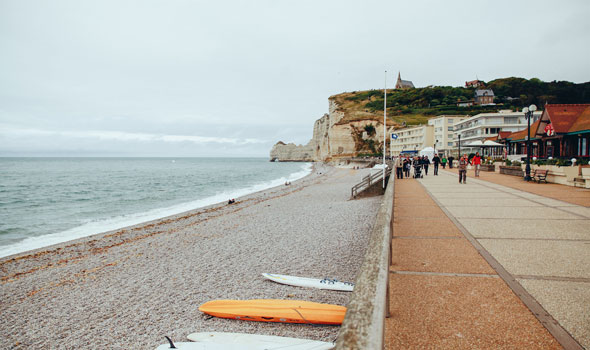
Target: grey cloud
258 70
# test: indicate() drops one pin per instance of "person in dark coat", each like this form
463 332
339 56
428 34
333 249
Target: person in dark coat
436 161
451 159
407 166
425 164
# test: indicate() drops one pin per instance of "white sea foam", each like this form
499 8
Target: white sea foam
114 223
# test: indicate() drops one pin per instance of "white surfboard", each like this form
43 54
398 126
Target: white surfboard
206 346
325 283
261 342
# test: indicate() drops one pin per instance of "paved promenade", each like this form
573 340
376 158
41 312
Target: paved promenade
569 194
474 263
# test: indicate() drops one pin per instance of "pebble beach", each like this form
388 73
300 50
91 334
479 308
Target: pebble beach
128 288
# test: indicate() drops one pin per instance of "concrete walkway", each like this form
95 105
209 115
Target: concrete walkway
569 194
471 261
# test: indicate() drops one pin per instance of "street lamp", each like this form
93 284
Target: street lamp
528 114
459 146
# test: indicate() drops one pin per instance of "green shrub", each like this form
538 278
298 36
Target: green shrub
563 162
508 162
516 163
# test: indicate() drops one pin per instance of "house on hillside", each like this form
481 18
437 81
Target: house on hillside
474 83
403 84
484 97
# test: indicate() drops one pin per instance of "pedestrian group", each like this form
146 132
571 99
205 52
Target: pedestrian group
403 165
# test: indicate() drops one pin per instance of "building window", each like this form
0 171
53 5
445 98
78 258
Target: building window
449 144
583 146
510 120
450 121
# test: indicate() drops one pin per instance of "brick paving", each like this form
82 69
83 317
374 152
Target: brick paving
444 295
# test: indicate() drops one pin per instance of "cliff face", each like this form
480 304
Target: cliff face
334 137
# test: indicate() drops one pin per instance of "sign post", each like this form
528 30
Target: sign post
393 137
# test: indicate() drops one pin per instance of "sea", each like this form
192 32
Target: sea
44 201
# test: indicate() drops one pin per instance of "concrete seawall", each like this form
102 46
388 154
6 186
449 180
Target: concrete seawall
363 325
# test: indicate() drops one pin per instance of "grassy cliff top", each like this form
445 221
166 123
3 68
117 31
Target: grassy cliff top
416 106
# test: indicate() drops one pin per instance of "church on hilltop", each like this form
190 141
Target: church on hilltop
403 84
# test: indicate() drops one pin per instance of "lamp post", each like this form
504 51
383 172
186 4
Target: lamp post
384 124
528 113
459 156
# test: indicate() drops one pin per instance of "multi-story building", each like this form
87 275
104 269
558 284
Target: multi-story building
485 125
443 132
412 139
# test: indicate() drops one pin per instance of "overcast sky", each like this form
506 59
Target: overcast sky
231 78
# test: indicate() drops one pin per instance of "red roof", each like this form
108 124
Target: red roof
473 82
569 117
501 135
583 121
522 134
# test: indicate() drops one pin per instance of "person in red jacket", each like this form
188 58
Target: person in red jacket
476 161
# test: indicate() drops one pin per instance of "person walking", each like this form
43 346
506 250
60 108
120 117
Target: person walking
399 167
463 162
443 161
451 159
435 161
425 163
476 163
407 165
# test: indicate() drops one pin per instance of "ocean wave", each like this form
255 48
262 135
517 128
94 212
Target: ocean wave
114 223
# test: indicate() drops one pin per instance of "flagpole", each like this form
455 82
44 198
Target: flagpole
384 125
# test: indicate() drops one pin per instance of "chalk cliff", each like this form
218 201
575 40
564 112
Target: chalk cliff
335 135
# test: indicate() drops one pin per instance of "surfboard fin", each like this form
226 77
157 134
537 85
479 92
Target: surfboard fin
171 343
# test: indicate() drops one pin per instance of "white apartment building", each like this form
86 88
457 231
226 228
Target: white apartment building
443 132
484 125
412 139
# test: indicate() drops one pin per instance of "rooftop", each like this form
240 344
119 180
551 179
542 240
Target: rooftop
567 118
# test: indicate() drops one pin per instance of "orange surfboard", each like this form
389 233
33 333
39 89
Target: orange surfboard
276 310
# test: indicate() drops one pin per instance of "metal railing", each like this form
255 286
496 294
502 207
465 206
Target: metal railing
369 180
364 324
